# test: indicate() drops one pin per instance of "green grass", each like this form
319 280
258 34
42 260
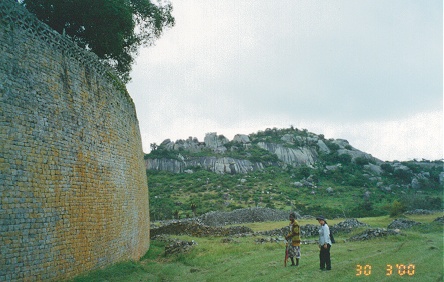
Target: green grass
244 260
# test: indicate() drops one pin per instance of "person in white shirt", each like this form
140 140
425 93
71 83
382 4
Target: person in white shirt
324 244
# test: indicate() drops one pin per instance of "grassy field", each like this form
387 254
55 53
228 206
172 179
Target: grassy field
416 255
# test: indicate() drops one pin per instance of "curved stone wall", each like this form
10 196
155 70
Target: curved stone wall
73 188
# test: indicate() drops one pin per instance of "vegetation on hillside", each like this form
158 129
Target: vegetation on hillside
347 191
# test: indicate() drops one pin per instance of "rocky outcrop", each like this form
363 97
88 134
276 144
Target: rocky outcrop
346 149
191 145
322 147
303 151
354 154
222 165
241 138
398 167
217 164
373 169
216 142
292 156
342 143
418 179
170 165
245 153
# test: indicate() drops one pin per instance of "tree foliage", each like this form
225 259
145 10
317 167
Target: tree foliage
112 29
396 208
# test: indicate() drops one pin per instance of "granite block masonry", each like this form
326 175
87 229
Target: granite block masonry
73 188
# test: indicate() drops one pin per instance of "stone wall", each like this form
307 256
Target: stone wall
240 216
73 189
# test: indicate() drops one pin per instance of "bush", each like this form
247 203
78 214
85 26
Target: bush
303 171
161 208
365 209
404 175
387 167
161 153
332 146
344 159
361 161
396 208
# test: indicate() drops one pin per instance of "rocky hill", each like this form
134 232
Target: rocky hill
246 153
286 169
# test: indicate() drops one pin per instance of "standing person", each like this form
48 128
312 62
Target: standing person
324 244
294 250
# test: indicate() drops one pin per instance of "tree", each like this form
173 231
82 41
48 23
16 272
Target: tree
153 146
193 208
396 208
112 29
176 214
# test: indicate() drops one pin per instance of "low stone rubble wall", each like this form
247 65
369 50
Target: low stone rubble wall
419 211
401 223
439 219
374 233
198 230
347 226
243 216
175 246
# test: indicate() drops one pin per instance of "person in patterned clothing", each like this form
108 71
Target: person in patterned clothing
294 250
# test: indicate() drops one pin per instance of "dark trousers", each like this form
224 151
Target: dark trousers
324 257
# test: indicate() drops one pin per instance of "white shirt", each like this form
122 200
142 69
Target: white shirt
324 235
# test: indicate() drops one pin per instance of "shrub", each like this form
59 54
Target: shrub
396 208
161 208
344 159
303 171
361 161
332 146
365 209
403 175
387 167
162 153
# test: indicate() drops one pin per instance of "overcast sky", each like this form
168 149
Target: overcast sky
370 72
